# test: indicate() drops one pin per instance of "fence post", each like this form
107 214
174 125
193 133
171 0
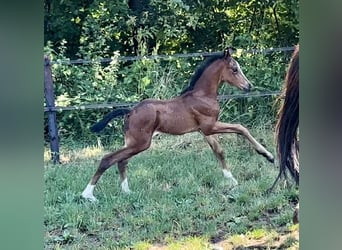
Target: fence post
50 102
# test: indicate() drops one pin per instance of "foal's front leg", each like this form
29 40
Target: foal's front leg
221 127
218 151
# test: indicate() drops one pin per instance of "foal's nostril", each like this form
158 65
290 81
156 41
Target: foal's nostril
248 88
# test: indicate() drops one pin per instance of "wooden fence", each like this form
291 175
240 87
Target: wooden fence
50 103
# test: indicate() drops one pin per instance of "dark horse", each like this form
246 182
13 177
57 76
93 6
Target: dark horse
196 109
287 125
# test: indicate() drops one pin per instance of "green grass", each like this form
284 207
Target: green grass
179 196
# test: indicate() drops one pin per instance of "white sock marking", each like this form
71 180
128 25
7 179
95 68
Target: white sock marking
124 186
88 193
229 176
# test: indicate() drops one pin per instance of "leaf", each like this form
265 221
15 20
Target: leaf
145 81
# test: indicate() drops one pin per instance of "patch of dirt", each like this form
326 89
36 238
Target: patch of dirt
289 240
285 240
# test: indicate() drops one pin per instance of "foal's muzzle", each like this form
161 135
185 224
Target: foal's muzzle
247 88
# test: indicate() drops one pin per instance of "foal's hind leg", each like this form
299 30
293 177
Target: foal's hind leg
121 157
218 151
106 162
122 165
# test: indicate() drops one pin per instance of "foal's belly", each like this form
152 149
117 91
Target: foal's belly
176 124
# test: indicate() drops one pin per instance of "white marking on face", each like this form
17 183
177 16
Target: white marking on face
239 69
88 193
124 186
229 176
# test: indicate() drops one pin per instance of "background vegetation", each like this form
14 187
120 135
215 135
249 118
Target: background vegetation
109 29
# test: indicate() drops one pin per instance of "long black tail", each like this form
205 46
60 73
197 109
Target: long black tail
287 126
97 127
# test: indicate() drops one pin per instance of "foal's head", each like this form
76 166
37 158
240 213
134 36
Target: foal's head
232 72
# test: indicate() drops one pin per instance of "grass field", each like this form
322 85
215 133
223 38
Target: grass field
180 199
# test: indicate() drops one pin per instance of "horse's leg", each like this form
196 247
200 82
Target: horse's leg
220 127
295 218
121 156
122 165
218 151
106 162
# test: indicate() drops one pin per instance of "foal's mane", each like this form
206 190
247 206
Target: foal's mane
200 69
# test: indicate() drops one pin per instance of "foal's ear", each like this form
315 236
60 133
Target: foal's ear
229 51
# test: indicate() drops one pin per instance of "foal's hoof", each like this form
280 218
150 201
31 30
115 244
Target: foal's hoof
270 158
128 191
267 155
90 198
227 174
233 181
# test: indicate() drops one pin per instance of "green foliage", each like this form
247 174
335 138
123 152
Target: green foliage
170 26
109 29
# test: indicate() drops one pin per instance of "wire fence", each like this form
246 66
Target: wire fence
129 105
169 57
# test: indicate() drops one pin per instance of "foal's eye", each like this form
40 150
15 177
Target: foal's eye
235 70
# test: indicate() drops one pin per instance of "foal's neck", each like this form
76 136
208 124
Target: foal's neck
210 80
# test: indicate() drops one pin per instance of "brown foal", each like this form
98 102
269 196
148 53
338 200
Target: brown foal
196 109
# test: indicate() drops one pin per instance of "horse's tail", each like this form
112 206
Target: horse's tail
104 121
288 121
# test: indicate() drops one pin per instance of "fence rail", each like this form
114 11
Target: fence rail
168 57
125 105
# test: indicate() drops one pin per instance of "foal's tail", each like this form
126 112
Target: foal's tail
288 122
97 127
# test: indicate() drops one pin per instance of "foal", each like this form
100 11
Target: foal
196 109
